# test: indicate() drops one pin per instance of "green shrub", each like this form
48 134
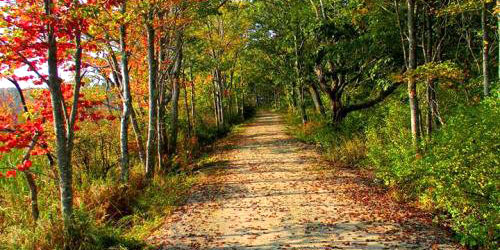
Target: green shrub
343 144
463 172
457 173
390 150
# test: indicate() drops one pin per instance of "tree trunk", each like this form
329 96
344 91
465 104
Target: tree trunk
219 109
220 93
430 114
152 67
164 97
35 212
428 51
412 65
63 161
337 109
486 48
294 97
172 147
138 135
126 102
193 102
303 111
186 107
216 106
175 94
318 104
242 112
29 176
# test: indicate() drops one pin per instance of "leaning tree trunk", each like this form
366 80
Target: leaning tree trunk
30 179
35 212
318 104
151 143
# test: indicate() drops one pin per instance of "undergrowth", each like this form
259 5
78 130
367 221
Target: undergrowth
107 214
455 175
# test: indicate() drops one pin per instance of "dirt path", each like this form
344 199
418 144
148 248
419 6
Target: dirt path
276 193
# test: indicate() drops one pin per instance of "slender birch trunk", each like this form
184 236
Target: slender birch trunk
126 102
486 49
152 67
412 65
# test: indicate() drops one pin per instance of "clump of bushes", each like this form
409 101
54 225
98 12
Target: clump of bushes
343 144
107 214
457 172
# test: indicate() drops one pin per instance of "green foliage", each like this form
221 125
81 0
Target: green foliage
343 144
108 214
457 172
463 172
390 148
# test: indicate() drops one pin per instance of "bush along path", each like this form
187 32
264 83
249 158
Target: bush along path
268 191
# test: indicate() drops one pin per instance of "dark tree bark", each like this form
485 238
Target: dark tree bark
175 94
30 179
428 53
335 90
35 212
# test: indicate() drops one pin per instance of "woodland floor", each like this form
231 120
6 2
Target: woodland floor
268 191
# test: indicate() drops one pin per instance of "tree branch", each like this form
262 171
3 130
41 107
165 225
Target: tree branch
374 101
